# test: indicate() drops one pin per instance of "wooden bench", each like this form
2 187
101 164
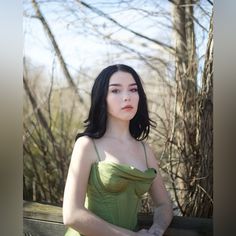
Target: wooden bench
46 220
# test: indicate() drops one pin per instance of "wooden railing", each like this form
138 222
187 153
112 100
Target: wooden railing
46 220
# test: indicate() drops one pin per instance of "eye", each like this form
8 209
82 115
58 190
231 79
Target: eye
115 90
134 90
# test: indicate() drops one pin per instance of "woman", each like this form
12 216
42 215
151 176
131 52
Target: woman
111 167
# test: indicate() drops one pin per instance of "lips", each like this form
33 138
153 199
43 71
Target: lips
128 107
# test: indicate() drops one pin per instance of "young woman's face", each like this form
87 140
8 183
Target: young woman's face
122 96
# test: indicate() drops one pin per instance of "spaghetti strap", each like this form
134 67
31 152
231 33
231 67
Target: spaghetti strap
95 147
145 153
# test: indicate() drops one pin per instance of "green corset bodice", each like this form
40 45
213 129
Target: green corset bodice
114 193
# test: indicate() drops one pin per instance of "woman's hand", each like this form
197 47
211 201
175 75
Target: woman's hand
155 230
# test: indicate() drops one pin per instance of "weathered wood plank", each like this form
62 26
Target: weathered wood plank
185 232
32 227
41 211
46 220
179 222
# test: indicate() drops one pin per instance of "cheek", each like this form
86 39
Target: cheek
136 99
111 103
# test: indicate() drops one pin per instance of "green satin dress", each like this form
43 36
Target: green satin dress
114 192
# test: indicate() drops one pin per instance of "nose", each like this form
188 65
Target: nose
126 97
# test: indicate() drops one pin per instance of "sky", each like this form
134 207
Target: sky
73 33
37 45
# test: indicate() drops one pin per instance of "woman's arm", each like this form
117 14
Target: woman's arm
163 212
75 215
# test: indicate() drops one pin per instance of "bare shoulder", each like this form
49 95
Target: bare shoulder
84 148
151 158
84 142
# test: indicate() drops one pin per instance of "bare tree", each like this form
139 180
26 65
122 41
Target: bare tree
48 138
189 177
204 199
57 50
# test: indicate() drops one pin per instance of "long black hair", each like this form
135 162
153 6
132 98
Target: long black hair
97 119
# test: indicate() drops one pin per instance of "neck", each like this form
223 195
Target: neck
118 129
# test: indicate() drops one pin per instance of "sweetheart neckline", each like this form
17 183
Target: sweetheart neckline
125 165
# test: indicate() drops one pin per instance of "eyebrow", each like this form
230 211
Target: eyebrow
119 85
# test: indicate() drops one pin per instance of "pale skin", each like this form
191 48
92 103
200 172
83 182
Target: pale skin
115 146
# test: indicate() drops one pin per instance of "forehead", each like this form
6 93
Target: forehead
121 77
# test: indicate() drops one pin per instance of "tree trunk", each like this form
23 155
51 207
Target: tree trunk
182 153
206 133
190 147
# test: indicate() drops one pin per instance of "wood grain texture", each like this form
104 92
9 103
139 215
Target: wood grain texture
46 220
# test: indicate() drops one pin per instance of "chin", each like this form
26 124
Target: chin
128 118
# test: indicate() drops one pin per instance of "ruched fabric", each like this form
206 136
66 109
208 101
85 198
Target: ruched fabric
114 193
